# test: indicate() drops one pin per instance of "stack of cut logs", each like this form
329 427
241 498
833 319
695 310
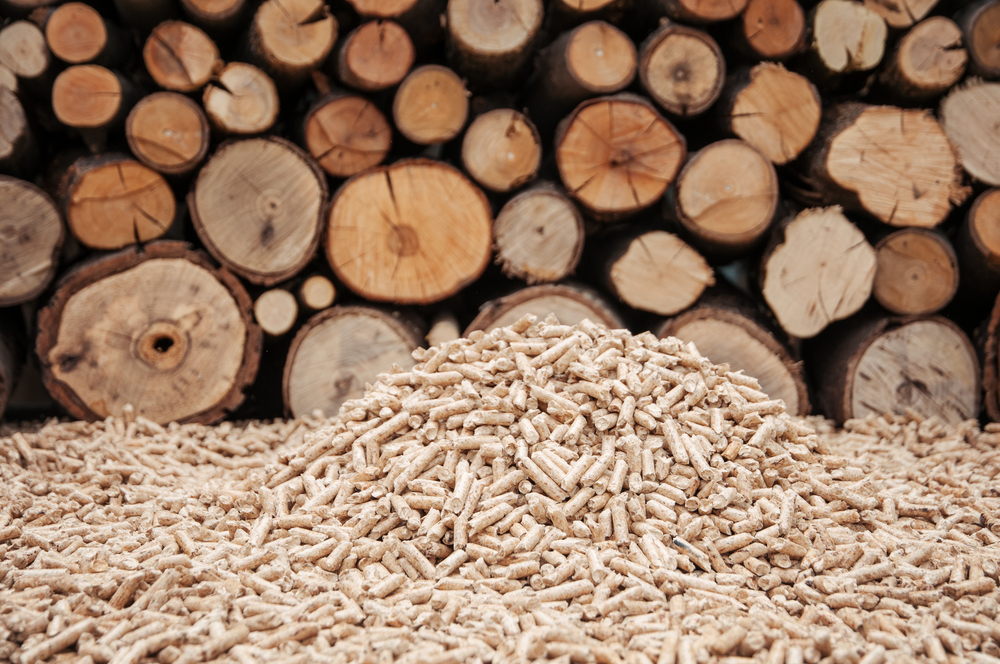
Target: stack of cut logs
218 207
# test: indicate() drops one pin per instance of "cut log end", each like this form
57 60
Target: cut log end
276 311
929 59
660 273
916 272
76 33
32 235
180 57
168 132
23 50
570 304
704 11
970 116
244 102
774 29
491 42
431 105
292 37
16 138
983 227
682 69
86 96
375 56
317 292
848 36
901 14
601 58
502 150
382 8
539 235
347 134
980 23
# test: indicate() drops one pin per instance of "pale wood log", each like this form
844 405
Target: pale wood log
819 270
216 17
31 234
444 327
317 292
337 352
774 110
980 24
76 34
431 105
23 50
290 38
970 116
490 42
18 147
257 205
682 69
160 329
92 100
502 150
928 60
180 56
8 79
617 155
275 311
245 100
699 11
392 232
539 235
111 201
569 303
374 56
847 36
773 29
916 272
144 15
901 14
346 134
420 18
977 243
168 132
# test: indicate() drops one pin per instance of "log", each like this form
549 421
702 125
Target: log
420 18
257 205
728 328
774 110
92 100
820 269
970 115
682 69
144 15
444 327
616 155
569 303
290 38
655 271
916 272
391 232
76 34
979 22
431 105
18 146
180 56
244 102
337 352
773 29
502 150
185 355
30 239
896 164
317 292
928 60
23 50
901 14
978 246
726 197
374 56
218 18
539 235
700 11
111 201
991 364
168 132
878 364
490 42
8 79
846 37
275 311
346 134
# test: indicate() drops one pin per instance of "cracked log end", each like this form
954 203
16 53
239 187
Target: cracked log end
346 134
86 96
245 100
180 56
168 132
502 150
682 69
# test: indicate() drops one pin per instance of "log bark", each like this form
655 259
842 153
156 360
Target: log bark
257 205
375 56
682 69
168 132
728 328
290 38
617 155
337 352
774 110
970 115
490 42
978 246
244 102
218 18
539 235
144 15
275 311
846 37
916 272
346 134
180 56
872 365
699 11
23 50
502 150
928 60
570 303
317 292
31 236
980 22
391 233
431 105
76 34
901 14
896 164
726 197
773 29
160 329
111 201
818 270
18 146
444 327
420 18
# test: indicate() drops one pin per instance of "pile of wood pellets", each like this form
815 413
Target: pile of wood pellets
540 492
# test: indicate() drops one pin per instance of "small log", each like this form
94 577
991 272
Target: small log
374 56
317 292
928 60
896 164
32 237
682 69
391 234
502 150
257 206
980 23
819 270
977 243
569 303
901 14
431 105
970 116
23 51
773 29
490 42
774 110
290 38
275 311
346 134
847 36
244 102
168 132
111 201
160 329
92 100
699 11
877 364
728 328
218 18
337 352
656 271
420 18
916 272
18 147
144 15
726 197
539 235
76 34
180 56
444 327
617 155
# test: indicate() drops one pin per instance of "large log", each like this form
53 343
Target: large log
490 42
346 134
160 329
916 272
846 37
502 150
970 116
375 56
901 14
168 132
431 105
928 60
31 234
569 303
682 69
980 21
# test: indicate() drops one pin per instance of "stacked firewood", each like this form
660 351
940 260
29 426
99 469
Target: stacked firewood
218 207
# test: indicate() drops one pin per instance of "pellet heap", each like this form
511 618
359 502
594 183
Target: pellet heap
538 492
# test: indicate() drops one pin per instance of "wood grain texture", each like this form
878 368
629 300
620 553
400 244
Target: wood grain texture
570 303
31 234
